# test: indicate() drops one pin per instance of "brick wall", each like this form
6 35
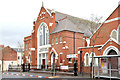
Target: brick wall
8 54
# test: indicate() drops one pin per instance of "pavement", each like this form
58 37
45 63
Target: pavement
44 76
35 75
62 74
50 72
24 75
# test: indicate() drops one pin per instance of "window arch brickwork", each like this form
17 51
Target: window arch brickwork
43 34
114 35
119 33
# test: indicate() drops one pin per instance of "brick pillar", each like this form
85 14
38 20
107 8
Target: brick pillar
79 62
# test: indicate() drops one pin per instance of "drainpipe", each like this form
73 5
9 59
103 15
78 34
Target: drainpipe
74 44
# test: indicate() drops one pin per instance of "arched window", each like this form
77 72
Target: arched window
95 59
86 59
43 34
56 40
60 39
119 34
52 41
29 44
114 35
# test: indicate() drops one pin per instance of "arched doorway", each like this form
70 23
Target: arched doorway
114 63
52 58
114 60
112 52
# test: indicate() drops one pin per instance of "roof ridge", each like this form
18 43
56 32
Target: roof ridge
63 18
67 14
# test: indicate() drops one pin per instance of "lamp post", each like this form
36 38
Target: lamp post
21 55
2 59
81 64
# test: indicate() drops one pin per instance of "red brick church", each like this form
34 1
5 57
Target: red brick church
55 38
58 38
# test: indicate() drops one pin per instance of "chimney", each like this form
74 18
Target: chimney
34 22
53 11
53 14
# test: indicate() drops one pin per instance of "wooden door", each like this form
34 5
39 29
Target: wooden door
43 61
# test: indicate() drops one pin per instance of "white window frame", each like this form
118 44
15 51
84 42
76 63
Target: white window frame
112 33
70 60
118 30
56 40
60 39
52 41
86 59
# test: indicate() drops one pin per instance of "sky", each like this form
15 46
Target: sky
16 16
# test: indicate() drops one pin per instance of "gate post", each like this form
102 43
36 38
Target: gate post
29 67
75 68
91 69
81 63
23 67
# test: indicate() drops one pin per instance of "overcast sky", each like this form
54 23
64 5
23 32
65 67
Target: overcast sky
16 16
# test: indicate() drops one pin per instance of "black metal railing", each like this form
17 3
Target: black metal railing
15 67
28 67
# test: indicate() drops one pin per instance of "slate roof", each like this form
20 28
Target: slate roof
66 25
71 23
18 49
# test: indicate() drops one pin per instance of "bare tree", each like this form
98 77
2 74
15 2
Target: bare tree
2 58
95 22
20 46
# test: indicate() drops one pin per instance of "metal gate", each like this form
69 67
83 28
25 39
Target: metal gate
26 67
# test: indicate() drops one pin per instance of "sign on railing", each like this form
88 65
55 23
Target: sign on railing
63 67
72 56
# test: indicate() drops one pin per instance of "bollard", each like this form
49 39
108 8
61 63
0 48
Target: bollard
23 67
29 67
75 68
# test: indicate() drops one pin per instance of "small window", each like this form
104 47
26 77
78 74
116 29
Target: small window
18 57
29 44
43 35
56 40
40 40
114 34
60 58
87 59
47 39
119 34
60 38
43 55
52 41
26 46
70 59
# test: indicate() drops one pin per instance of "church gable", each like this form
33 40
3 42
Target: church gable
114 14
44 12
104 31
